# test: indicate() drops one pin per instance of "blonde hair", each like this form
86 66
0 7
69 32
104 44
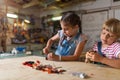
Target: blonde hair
113 26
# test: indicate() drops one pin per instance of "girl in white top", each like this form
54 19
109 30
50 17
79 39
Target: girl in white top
110 47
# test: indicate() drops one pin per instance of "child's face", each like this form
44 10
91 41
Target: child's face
68 30
107 37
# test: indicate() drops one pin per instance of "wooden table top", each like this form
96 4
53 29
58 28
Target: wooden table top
13 69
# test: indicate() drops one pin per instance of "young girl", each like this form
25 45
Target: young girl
108 52
71 40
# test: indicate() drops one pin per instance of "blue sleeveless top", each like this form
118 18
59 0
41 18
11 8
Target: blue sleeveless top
67 47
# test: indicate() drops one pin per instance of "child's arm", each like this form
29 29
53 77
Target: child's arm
111 62
76 54
78 50
49 43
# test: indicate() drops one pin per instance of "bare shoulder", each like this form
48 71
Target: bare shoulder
55 37
84 37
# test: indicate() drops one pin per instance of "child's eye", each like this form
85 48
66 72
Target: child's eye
103 32
111 35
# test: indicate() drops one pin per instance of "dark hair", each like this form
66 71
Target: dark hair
72 19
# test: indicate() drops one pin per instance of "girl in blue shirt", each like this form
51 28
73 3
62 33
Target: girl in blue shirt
71 40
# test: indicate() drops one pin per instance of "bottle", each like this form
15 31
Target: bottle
79 74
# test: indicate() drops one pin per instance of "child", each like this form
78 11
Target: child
71 40
108 50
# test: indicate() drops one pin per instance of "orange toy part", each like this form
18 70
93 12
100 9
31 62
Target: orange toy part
46 68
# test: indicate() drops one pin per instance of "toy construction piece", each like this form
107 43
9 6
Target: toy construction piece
46 68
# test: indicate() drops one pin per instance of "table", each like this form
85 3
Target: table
13 69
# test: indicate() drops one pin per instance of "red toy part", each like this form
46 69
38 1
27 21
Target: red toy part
46 68
49 69
32 63
29 63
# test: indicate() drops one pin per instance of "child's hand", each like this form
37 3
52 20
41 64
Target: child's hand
52 56
93 56
87 60
96 57
89 56
46 50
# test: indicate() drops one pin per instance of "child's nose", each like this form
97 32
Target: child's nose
106 37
